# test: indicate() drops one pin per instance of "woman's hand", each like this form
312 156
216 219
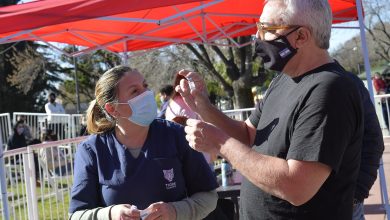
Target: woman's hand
124 212
161 211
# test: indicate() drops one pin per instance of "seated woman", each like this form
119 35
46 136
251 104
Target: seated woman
17 139
52 158
134 164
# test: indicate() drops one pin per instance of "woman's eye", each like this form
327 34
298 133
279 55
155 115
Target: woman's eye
133 91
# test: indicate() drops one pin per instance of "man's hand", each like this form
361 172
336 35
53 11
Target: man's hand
205 137
193 90
161 211
124 212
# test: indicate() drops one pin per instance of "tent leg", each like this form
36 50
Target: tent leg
77 85
125 56
3 184
367 66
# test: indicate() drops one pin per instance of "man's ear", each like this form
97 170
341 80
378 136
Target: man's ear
110 109
303 37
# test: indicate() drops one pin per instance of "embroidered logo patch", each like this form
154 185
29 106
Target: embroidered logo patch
169 175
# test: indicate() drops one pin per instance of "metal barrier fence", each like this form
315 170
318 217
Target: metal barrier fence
39 122
239 114
38 179
5 128
382 107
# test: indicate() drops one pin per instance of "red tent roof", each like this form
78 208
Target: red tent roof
137 24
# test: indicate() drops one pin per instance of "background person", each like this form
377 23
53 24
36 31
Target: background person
52 157
165 96
54 122
177 109
381 89
379 84
17 139
53 107
131 158
372 150
26 130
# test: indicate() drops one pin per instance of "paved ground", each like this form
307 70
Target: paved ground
371 203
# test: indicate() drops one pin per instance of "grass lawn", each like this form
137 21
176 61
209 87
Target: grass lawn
52 204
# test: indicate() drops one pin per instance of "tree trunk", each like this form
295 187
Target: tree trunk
243 97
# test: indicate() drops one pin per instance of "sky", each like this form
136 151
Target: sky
340 36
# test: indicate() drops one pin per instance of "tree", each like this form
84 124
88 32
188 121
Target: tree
89 69
378 27
238 75
160 66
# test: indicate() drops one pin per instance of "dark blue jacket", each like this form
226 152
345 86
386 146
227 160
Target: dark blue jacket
372 147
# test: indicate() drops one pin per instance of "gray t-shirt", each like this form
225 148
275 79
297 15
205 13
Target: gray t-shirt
314 117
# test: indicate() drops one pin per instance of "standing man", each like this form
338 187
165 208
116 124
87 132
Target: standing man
165 96
300 149
52 107
54 122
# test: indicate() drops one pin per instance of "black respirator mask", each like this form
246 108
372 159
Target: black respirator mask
275 53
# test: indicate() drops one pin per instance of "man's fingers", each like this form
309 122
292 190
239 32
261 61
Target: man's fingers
192 122
184 87
131 211
184 72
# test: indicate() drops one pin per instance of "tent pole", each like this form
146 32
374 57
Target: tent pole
76 82
3 184
367 67
125 56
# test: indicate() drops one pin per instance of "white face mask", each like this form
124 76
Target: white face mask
162 100
144 109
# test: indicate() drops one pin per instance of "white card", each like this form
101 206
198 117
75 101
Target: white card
191 83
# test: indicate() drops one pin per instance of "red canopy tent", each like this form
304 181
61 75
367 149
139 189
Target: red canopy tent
137 25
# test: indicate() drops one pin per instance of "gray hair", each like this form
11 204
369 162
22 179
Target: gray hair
313 14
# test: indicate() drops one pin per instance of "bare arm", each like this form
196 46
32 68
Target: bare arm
291 180
245 132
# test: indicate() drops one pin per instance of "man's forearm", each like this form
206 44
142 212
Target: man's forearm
234 128
293 181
